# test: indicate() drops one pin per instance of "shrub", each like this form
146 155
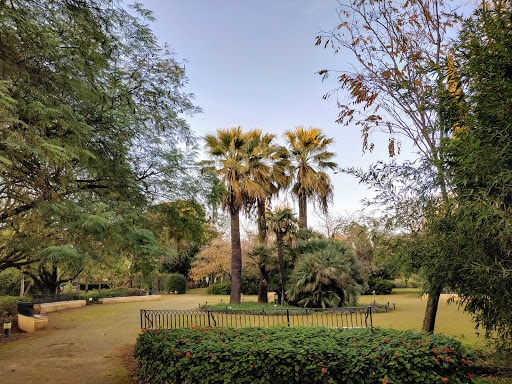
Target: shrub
383 287
327 277
8 306
10 280
115 292
219 289
173 283
298 354
379 285
250 283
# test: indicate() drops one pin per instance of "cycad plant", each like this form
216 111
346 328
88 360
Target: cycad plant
326 277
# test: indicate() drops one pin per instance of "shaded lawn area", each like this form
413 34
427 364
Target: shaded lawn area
94 344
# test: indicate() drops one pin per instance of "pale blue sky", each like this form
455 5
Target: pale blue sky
254 64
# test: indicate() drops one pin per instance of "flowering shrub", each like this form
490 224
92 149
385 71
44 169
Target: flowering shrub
298 354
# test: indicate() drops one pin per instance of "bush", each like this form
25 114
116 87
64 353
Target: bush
173 283
298 354
115 292
250 283
379 285
220 289
328 277
10 280
383 287
8 306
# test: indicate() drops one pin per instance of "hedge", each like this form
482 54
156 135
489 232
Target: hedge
173 283
298 354
219 289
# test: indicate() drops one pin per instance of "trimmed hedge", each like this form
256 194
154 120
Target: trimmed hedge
219 289
173 283
298 354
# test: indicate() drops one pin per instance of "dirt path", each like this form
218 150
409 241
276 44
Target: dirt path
87 345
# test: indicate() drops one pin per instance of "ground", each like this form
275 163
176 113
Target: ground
94 344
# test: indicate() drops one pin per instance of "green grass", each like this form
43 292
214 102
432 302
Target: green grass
246 305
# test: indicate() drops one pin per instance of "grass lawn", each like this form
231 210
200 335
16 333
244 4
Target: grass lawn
94 344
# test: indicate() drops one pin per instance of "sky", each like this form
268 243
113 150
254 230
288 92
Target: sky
255 64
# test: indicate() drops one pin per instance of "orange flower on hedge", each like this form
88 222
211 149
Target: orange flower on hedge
211 354
323 370
252 366
448 358
385 381
188 354
464 361
445 379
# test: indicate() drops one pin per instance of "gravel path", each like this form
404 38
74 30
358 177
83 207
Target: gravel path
87 345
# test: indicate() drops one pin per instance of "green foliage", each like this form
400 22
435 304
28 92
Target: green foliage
8 306
481 162
298 354
219 289
173 283
105 293
328 276
378 285
10 282
86 96
250 281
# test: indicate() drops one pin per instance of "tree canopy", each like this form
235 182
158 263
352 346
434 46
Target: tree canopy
91 115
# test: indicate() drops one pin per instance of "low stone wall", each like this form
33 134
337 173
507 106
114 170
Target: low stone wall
32 324
128 299
58 306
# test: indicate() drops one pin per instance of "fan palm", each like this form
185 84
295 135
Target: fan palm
310 159
282 222
229 149
327 277
269 168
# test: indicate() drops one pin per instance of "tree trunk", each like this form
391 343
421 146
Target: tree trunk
279 239
303 211
262 232
429 321
262 224
86 284
236 258
263 288
22 285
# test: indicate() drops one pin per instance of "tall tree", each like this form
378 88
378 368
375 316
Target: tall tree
481 162
310 159
229 149
86 93
397 50
270 168
282 221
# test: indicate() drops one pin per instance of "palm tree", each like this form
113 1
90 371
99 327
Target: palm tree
282 222
311 160
328 276
229 148
269 168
